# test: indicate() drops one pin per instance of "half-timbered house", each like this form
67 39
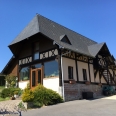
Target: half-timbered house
48 53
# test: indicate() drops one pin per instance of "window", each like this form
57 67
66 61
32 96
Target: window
65 39
24 74
70 72
84 74
36 66
36 55
51 69
36 51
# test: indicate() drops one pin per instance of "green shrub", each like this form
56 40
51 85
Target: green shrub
41 96
28 95
5 93
46 96
8 92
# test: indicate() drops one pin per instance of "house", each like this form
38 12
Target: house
48 53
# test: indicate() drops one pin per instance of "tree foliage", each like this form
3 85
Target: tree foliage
11 80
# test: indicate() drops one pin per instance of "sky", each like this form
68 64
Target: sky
95 19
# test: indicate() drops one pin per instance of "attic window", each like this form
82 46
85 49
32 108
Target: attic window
65 39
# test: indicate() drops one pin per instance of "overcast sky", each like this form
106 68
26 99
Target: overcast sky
95 19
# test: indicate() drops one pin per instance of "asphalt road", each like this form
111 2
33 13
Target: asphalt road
98 107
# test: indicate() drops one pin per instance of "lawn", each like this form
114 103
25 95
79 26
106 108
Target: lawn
1 88
3 99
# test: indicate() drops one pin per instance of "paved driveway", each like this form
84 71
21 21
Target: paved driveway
99 107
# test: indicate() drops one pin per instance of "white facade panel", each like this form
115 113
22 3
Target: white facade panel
23 84
111 71
91 72
82 65
97 78
51 83
68 62
103 80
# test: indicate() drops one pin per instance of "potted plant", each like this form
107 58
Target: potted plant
100 84
72 81
87 82
16 94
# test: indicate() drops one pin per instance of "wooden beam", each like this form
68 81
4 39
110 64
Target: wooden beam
89 71
76 65
99 76
95 73
59 66
42 73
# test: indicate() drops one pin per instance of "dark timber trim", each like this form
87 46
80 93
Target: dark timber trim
60 69
83 82
39 61
18 73
59 65
76 68
42 67
99 76
89 71
76 59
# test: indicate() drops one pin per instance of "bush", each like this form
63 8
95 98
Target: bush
28 95
5 93
41 96
108 90
9 92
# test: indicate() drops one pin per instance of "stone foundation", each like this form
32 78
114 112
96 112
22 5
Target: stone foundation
74 91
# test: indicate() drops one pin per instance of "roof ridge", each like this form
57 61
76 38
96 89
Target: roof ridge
38 20
98 43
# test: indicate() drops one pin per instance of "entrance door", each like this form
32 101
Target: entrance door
36 77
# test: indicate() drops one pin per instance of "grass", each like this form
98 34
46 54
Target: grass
1 88
3 99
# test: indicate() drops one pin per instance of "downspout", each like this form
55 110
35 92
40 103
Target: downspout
63 75
62 79
62 87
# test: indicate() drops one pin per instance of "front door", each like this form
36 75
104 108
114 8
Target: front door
36 77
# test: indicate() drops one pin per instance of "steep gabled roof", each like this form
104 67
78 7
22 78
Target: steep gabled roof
31 29
54 31
99 48
95 48
8 65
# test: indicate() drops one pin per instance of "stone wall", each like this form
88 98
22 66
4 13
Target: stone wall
74 91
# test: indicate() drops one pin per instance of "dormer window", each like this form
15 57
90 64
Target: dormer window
65 39
36 51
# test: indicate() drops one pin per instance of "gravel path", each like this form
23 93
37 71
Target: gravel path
8 107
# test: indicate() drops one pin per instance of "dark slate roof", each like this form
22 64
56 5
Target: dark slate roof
95 48
31 29
54 31
8 65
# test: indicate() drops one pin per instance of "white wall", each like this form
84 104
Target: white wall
23 84
91 72
51 83
103 80
82 65
68 62
97 77
111 71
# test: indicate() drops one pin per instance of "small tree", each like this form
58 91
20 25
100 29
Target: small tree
11 80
